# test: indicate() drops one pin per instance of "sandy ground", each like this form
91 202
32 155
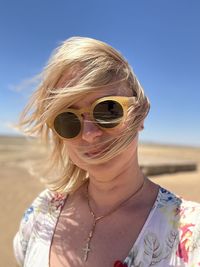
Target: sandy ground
18 188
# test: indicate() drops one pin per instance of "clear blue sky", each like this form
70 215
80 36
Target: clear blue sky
160 39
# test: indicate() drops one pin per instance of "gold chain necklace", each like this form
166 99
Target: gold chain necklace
87 248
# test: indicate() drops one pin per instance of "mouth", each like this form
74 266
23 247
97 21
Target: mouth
95 153
92 153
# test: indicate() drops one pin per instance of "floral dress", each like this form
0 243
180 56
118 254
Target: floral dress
169 237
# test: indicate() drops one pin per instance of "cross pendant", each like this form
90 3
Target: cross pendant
86 249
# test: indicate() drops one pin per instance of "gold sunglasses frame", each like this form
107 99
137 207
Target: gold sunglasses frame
124 101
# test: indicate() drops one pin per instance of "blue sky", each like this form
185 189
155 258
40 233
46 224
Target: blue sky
160 39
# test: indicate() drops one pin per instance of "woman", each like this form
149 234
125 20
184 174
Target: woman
99 208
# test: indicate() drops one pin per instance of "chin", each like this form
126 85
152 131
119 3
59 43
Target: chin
105 171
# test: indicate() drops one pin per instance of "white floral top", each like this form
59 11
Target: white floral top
170 236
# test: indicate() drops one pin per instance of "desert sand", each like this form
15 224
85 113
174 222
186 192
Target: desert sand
18 188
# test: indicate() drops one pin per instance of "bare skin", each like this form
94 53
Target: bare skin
110 184
113 237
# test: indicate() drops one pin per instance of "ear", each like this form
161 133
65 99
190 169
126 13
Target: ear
141 127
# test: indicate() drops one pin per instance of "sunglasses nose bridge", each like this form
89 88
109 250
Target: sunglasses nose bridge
84 110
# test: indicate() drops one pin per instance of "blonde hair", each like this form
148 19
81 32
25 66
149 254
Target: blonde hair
76 68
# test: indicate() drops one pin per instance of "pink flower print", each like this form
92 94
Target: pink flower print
184 244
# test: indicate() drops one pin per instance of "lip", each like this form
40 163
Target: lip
96 152
92 153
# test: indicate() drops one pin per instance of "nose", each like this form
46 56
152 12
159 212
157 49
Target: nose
90 130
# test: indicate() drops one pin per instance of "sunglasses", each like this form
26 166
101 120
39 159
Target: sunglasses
106 112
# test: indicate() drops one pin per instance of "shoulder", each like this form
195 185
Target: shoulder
181 207
184 216
176 209
46 203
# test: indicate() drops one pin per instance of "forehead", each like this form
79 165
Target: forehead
106 91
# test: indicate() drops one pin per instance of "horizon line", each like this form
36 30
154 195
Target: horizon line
141 141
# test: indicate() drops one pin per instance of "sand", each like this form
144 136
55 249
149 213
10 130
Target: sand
18 188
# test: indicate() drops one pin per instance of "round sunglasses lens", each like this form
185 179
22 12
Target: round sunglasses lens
67 125
108 114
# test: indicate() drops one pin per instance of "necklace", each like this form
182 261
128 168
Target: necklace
96 219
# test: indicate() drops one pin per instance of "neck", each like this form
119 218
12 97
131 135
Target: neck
110 193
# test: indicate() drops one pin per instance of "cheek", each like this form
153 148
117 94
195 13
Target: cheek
71 149
73 152
127 127
75 158
119 130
